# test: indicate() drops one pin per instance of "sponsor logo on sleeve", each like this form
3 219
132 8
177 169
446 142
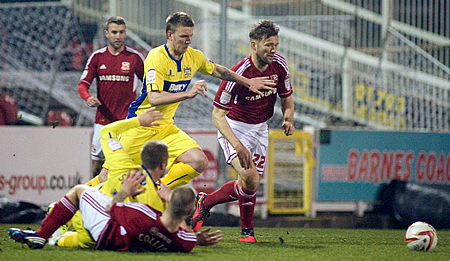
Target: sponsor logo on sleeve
85 72
151 75
114 145
287 84
225 97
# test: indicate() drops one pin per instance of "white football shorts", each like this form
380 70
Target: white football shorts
92 208
254 137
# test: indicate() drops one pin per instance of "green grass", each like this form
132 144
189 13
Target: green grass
273 244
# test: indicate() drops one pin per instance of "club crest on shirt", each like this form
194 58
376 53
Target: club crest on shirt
274 77
125 66
187 71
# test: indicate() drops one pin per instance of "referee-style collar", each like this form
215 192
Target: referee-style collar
178 62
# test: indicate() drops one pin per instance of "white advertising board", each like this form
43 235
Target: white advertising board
207 140
40 164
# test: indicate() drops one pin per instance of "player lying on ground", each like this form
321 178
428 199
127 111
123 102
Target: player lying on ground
120 226
154 156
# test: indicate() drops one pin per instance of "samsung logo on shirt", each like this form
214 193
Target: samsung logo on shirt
114 78
257 97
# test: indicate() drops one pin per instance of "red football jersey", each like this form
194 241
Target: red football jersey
115 81
246 106
137 226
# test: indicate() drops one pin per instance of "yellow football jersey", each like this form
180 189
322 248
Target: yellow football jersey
165 73
120 162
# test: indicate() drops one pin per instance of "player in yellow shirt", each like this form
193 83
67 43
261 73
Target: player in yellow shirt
168 70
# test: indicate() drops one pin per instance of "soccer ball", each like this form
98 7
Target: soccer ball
421 236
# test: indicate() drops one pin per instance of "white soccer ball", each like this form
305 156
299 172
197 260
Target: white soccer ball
421 236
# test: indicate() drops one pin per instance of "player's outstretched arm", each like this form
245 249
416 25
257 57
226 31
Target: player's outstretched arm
253 84
207 238
156 98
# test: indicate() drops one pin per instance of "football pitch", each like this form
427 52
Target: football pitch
273 244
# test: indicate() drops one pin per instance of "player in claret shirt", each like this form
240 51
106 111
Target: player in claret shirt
115 67
240 117
119 226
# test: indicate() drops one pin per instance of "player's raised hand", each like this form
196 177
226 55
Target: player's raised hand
245 157
207 238
93 102
199 87
261 83
148 117
131 182
288 128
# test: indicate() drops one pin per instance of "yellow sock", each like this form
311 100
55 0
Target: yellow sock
69 240
180 174
93 182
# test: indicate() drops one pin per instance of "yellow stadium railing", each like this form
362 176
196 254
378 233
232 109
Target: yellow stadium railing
290 162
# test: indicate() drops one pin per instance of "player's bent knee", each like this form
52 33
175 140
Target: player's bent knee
79 189
251 179
200 162
203 164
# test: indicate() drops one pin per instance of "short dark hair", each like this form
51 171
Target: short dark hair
181 201
177 19
115 20
263 30
153 153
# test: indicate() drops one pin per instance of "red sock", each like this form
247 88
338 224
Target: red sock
62 212
226 193
247 200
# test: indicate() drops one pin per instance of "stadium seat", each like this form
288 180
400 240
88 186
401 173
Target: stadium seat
8 110
59 117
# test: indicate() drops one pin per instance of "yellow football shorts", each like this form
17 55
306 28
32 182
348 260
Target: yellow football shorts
178 141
